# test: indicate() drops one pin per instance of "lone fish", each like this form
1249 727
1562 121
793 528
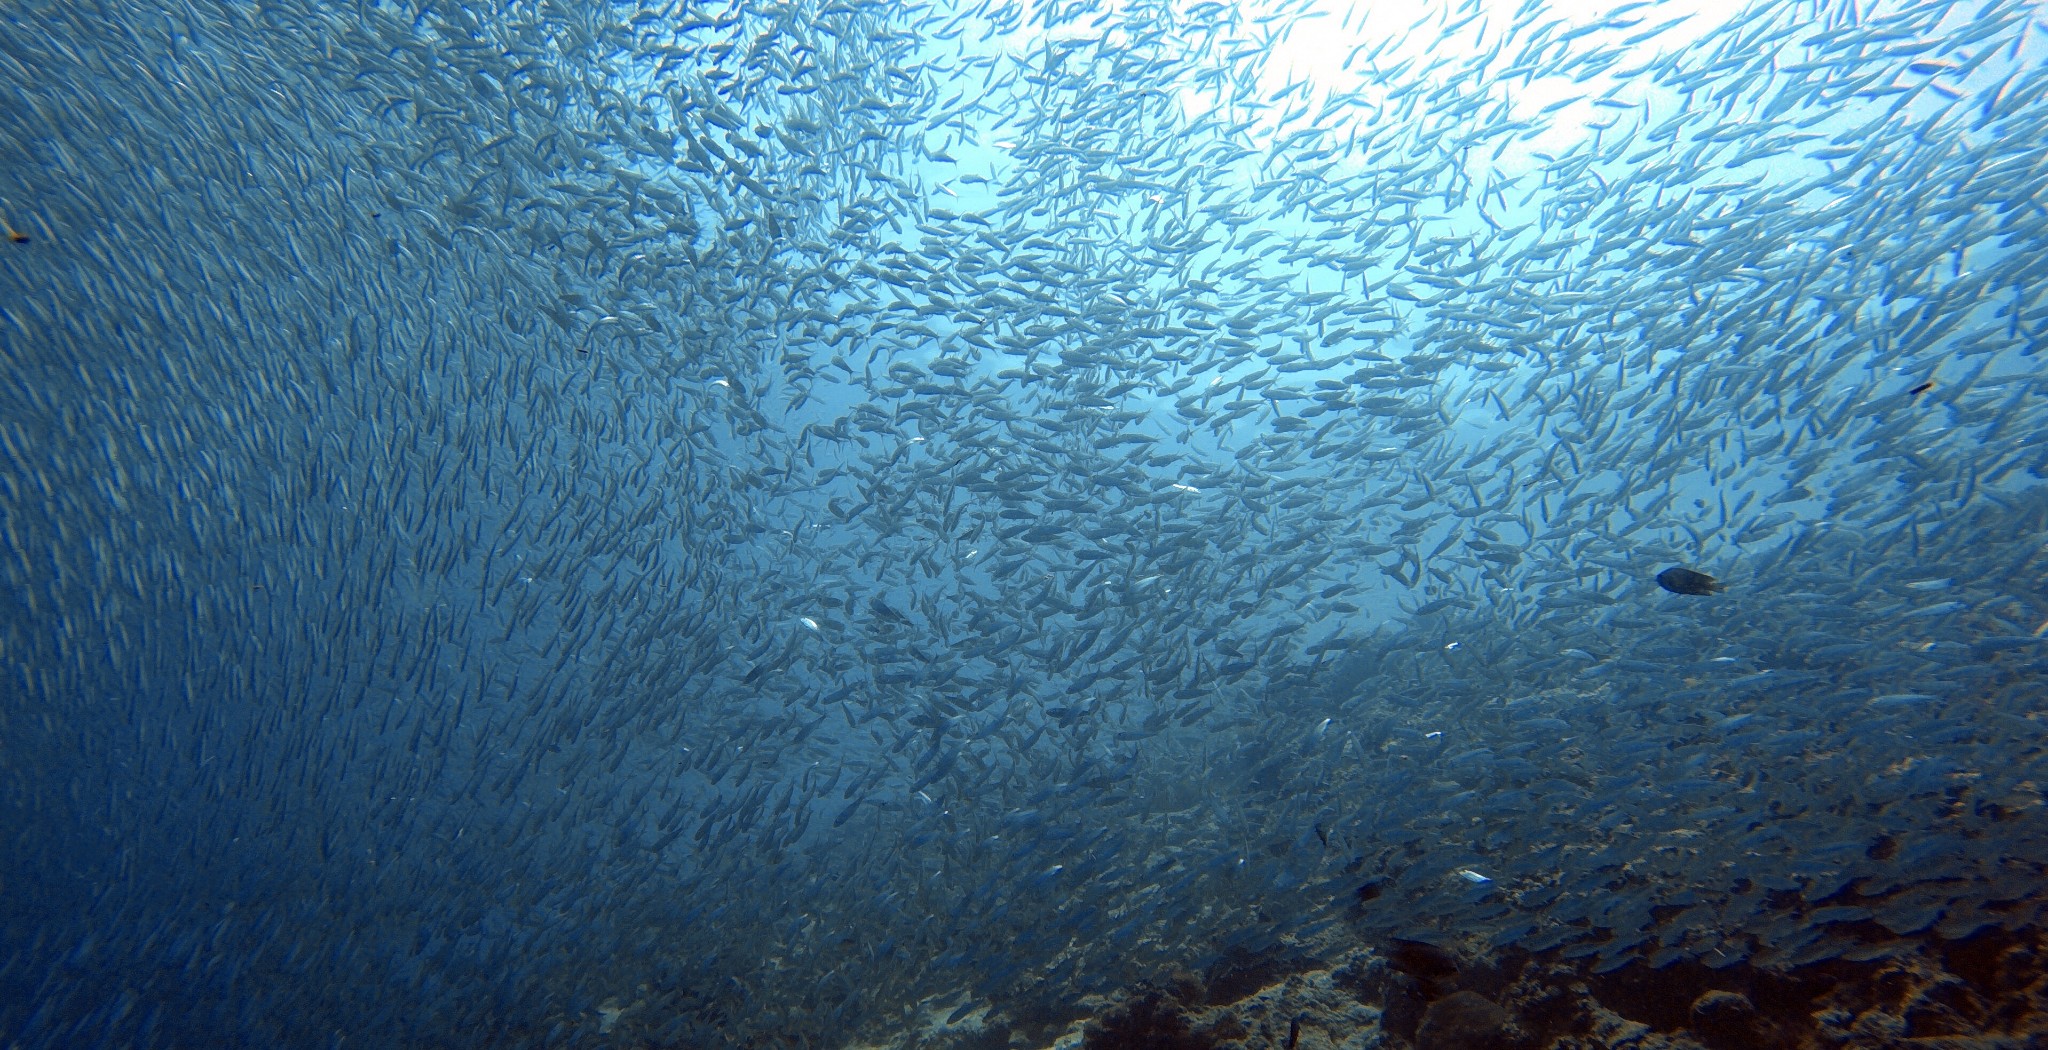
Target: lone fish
1686 581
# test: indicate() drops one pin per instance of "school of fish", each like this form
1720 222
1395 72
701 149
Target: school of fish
767 523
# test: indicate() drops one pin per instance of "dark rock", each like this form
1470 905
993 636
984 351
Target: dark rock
1365 981
1150 1022
1728 1021
1240 973
1463 1021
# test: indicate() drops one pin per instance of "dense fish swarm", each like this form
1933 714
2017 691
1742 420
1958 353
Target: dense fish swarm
765 523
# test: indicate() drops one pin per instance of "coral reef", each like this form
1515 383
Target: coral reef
1987 991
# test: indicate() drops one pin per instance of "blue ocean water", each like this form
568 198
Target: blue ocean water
819 523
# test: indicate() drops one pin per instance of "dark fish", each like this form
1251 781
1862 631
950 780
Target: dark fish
1686 581
1422 960
1433 967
